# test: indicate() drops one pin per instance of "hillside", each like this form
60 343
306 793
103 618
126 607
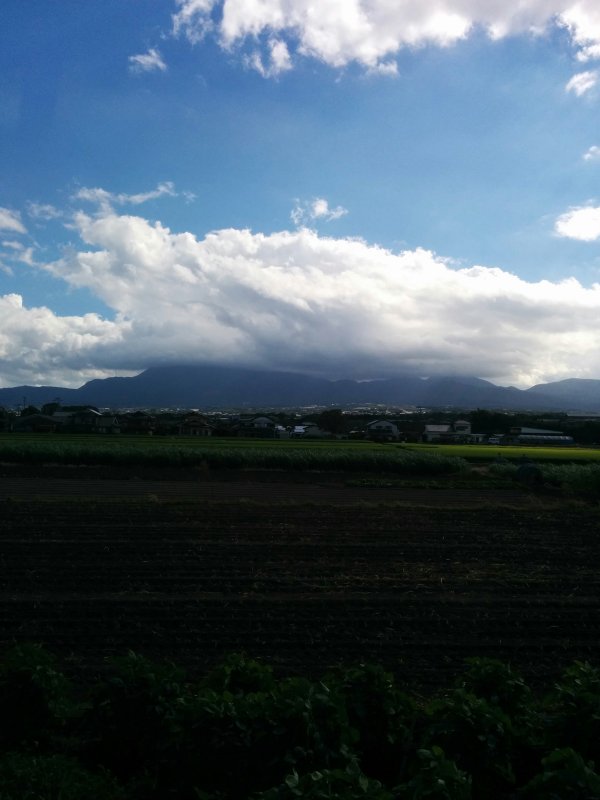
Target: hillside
227 387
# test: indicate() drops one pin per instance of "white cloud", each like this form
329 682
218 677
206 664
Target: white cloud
384 68
278 60
43 211
193 18
593 154
582 82
26 257
299 301
369 32
11 221
582 223
106 199
39 347
316 209
582 19
147 62
18 252
167 188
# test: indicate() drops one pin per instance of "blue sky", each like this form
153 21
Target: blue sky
350 188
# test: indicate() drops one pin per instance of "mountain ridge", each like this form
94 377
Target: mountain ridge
187 386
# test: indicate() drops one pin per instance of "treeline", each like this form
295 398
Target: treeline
144 732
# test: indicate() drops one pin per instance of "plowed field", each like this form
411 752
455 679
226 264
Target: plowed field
302 585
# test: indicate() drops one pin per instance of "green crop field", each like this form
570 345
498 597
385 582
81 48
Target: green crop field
184 442
296 449
486 452
224 454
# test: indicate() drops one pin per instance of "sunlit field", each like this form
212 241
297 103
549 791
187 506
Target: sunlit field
486 452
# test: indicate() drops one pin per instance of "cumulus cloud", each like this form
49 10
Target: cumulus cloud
338 32
316 209
11 221
582 83
582 223
147 62
39 347
583 22
592 154
295 300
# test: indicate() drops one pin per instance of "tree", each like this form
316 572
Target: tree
29 410
332 420
50 408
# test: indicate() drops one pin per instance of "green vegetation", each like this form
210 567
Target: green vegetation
241 454
486 452
145 732
573 480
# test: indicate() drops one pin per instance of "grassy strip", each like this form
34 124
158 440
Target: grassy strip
486 452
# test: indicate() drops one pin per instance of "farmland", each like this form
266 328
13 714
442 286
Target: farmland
294 454
413 569
327 576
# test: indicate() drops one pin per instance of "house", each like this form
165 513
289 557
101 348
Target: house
92 421
256 428
383 430
309 430
195 425
106 423
457 432
138 422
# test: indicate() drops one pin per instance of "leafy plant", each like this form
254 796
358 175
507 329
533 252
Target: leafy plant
56 777
435 778
565 776
498 683
130 723
342 784
382 716
239 674
34 697
574 707
478 735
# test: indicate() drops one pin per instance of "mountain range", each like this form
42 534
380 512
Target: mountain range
231 387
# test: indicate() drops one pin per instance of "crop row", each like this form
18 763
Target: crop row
394 460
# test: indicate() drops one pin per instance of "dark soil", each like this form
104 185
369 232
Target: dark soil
305 586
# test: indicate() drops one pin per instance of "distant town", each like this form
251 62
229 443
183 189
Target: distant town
381 424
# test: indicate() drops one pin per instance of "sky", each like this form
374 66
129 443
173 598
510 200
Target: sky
349 188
